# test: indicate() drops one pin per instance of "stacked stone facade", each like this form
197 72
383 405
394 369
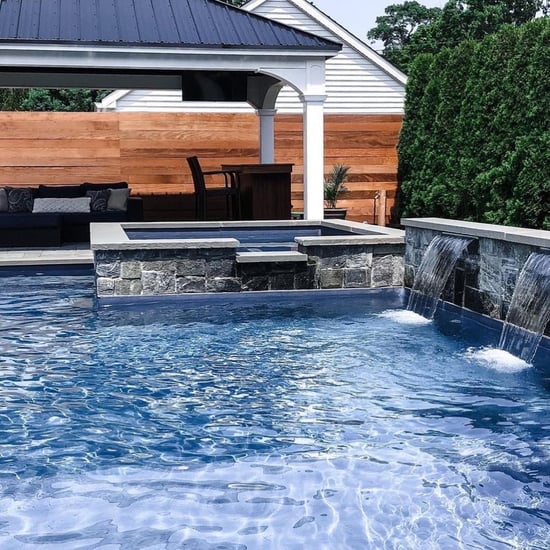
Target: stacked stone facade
180 271
483 279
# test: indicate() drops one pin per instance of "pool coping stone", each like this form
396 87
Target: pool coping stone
520 235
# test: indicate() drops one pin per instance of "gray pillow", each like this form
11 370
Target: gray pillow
118 199
60 205
20 199
3 200
99 200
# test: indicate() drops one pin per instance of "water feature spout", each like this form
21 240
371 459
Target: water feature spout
437 264
529 311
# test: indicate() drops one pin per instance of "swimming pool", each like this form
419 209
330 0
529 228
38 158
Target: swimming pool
291 421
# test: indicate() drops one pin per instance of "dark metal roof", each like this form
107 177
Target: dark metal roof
181 23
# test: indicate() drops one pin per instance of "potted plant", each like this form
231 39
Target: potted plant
334 188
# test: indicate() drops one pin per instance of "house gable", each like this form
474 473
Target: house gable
358 80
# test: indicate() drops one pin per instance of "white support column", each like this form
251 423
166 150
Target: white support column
267 135
309 81
314 156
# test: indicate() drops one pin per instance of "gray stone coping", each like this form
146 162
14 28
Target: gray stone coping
112 236
351 240
264 257
46 257
534 237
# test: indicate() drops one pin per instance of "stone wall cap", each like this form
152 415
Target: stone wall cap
263 257
112 236
522 235
350 240
168 244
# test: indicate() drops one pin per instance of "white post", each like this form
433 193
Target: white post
267 135
314 156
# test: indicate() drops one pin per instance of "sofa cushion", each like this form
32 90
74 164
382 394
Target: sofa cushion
3 200
20 199
99 200
60 191
88 186
27 219
83 219
118 199
77 204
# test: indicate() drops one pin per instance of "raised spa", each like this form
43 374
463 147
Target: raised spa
179 258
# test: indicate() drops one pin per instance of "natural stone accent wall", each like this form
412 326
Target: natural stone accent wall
355 266
160 272
157 272
274 276
484 278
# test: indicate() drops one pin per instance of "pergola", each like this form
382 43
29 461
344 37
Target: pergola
205 48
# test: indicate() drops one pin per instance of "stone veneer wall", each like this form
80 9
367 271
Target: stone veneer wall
355 266
158 271
484 278
132 272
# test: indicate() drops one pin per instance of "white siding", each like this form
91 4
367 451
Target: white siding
170 101
355 84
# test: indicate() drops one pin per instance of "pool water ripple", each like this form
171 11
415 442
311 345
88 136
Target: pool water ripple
245 426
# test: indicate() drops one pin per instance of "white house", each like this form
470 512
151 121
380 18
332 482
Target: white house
358 80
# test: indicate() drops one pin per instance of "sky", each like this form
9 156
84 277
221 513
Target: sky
359 16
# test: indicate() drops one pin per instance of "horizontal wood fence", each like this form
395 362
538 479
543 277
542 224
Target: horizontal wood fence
149 149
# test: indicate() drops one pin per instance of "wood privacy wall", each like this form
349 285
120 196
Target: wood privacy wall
149 149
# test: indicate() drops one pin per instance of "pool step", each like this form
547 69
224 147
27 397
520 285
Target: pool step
276 256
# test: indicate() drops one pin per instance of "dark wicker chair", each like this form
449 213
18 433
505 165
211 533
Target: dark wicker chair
230 190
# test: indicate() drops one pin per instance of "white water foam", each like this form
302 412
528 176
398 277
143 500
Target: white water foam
405 317
497 359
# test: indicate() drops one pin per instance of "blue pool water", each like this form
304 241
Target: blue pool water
298 422
251 239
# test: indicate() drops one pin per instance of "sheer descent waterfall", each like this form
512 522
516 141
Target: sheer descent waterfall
437 264
529 311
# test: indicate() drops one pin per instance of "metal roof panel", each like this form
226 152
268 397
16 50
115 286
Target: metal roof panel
183 23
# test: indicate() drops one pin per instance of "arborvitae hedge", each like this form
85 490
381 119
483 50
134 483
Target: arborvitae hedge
475 143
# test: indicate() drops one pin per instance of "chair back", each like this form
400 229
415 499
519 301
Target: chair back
196 173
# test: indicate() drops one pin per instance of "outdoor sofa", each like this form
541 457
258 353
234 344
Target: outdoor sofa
50 215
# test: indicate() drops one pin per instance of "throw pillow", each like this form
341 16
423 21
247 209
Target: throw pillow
99 200
20 199
118 199
3 200
55 205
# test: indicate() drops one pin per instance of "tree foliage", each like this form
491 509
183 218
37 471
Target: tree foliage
475 143
41 99
409 29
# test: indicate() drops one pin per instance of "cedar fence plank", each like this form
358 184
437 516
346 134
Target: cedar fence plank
149 149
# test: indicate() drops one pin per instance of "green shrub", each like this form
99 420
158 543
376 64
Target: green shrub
475 137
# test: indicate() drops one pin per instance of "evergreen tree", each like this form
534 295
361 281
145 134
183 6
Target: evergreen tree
475 142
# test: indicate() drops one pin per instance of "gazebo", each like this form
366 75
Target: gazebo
205 48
